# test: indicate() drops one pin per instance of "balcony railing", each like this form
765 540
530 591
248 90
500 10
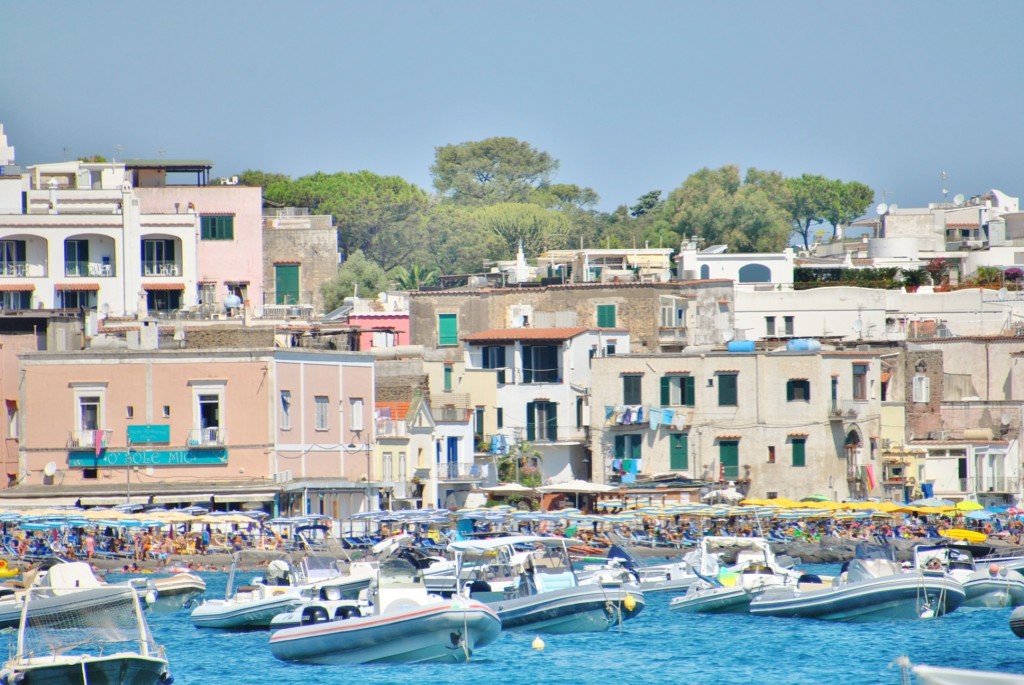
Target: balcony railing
675 334
13 269
999 484
159 268
87 439
389 428
88 269
458 471
207 437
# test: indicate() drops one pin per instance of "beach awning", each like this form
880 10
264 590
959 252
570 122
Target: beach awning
174 499
244 497
578 487
22 502
113 500
509 489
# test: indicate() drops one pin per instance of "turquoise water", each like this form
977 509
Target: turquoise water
656 647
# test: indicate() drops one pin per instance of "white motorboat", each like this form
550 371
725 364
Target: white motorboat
671 576
176 592
406 624
99 637
872 588
252 606
992 586
935 675
538 590
730 589
55 585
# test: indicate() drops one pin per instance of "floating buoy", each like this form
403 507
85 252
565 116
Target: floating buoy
629 603
993 569
538 644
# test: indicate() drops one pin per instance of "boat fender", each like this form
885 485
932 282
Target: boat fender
278 592
166 678
8 677
629 603
538 644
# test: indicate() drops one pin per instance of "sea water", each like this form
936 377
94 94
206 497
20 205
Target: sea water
656 647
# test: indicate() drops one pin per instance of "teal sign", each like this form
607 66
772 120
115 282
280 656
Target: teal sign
149 434
89 460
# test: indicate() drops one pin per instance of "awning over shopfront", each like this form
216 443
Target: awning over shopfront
232 498
38 502
175 499
113 500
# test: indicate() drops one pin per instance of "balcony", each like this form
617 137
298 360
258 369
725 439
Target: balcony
88 269
87 439
160 268
388 428
458 471
997 484
844 410
13 270
675 335
207 437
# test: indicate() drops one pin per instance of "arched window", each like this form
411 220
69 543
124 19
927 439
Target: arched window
755 273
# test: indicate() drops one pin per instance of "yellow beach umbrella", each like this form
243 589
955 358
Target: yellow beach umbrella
968 505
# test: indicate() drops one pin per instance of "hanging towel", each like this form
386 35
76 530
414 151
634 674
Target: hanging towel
654 418
638 417
627 416
679 422
667 416
609 411
628 478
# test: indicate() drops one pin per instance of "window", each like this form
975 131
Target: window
493 357
677 391
90 474
799 451
16 299
500 417
76 299
580 405
217 227
167 411
321 405
12 420
798 390
922 389
729 458
286 284
478 423
403 469
540 364
609 349
286 410
769 324
679 451
209 411
129 412
727 390
542 421
89 413
386 467
673 312
447 377
860 381
12 258
158 258
447 329
606 316
356 417
628 446
631 389
771 454
788 322
76 257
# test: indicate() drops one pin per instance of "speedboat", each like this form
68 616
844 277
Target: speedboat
176 592
252 606
872 588
537 588
56 586
666 577
403 623
992 586
935 675
721 589
101 637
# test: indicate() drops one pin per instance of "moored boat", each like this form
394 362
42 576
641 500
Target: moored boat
991 585
251 606
872 588
176 592
406 625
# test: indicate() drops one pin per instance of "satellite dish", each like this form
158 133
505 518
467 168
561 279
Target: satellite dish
893 207
858 325
958 199
1004 419
50 470
881 209
728 334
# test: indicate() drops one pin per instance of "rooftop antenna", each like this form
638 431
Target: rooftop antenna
945 190
66 151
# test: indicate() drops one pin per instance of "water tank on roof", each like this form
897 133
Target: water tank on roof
740 346
803 345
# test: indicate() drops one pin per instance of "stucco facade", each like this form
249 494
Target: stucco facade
788 423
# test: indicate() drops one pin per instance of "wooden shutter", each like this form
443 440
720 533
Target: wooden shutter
447 329
666 391
531 426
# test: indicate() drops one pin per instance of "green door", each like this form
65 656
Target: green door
679 451
729 456
286 283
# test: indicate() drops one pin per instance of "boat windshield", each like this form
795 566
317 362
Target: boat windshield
398 572
865 550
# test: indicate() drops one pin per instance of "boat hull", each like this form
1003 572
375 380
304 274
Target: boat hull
1017 622
228 615
115 669
176 592
905 596
724 600
994 592
448 631
579 609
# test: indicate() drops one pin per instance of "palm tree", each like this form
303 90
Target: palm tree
413 278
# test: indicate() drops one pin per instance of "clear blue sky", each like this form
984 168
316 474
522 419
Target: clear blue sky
629 96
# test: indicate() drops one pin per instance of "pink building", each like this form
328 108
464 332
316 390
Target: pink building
221 427
384 329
